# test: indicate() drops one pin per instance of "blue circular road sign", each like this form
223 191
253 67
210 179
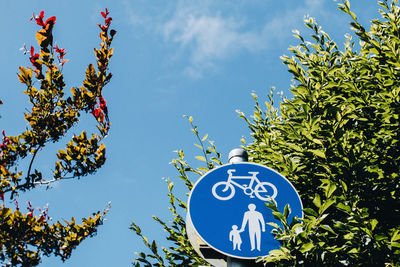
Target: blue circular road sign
227 208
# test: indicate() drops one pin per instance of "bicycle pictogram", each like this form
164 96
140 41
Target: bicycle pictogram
225 190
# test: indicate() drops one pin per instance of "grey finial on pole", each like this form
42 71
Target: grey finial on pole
238 155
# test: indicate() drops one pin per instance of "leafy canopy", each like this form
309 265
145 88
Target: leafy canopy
24 238
337 140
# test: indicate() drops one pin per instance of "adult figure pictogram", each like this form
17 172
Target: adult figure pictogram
256 224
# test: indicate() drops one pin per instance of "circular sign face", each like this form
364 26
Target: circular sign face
228 211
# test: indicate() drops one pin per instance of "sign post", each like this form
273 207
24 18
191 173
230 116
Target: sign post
227 209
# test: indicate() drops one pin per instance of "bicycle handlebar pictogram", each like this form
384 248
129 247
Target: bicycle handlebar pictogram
263 190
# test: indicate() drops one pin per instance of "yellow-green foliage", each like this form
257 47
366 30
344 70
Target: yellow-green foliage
337 140
25 237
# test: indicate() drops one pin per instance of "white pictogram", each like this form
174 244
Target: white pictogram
234 237
256 224
263 190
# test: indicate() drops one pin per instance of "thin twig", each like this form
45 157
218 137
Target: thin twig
43 182
30 164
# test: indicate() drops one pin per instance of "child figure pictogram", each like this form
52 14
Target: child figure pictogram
234 236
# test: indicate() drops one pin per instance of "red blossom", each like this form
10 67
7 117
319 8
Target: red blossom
105 14
96 112
2 196
102 103
6 141
31 209
108 21
45 213
103 28
1 102
34 57
60 51
51 20
39 19
101 112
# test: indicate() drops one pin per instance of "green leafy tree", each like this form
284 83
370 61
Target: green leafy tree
180 252
25 237
338 141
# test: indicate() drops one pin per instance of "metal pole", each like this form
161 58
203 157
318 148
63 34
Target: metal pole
235 156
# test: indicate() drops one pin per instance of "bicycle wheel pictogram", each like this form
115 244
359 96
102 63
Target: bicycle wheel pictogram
223 190
265 191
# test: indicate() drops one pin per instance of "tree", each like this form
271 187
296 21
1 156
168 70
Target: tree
25 237
181 252
337 140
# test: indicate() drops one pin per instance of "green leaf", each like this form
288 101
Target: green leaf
326 205
373 223
395 244
331 188
395 236
310 212
349 236
287 211
380 237
347 4
306 247
353 15
201 158
154 247
318 153
317 201
275 225
388 82
317 141
199 146
353 251
327 228
170 186
279 216
344 207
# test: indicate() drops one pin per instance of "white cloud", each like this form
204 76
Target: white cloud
209 38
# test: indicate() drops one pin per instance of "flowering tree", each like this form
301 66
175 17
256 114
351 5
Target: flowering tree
25 237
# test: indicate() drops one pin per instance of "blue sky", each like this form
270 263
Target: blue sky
171 58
